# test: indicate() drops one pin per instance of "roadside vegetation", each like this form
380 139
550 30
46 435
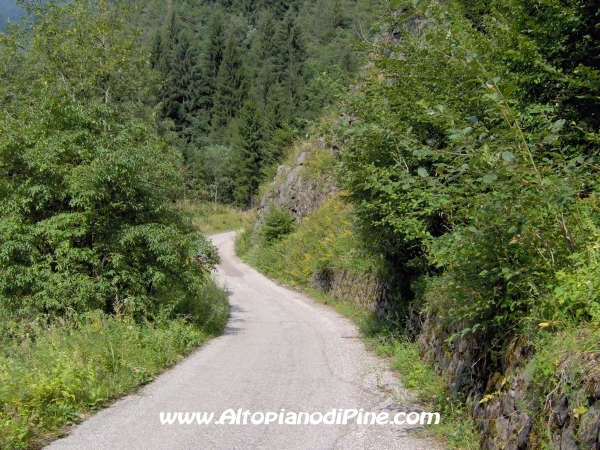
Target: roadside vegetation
57 371
213 218
468 163
471 163
291 253
102 284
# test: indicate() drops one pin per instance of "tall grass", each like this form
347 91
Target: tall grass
210 218
54 374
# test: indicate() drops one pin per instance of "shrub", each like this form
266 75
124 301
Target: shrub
278 223
85 175
461 164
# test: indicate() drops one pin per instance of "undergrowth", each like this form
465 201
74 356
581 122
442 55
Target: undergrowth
456 428
325 239
210 219
56 372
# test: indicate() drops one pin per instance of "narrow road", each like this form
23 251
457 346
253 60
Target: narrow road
280 350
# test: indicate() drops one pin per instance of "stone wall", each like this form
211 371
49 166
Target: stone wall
503 399
366 290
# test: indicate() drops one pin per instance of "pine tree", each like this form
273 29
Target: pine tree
251 153
215 48
157 54
264 53
231 85
182 89
291 56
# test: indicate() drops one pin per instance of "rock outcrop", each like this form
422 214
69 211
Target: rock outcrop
293 190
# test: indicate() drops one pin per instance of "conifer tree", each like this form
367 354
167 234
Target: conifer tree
251 154
264 55
291 56
214 51
157 50
181 90
231 84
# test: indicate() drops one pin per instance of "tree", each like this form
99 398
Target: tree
181 94
290 58
231 85
264 56
214 51
251 153
85 176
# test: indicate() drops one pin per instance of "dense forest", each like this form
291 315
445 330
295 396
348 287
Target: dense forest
241 80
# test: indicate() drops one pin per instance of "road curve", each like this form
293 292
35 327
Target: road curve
280 350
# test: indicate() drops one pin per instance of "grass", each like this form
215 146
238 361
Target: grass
210 219
55 375
456 428
324 239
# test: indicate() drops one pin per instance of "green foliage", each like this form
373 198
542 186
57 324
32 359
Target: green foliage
288 59
278 224
456 428
54 376
85 176
459 167
251 154
325 239
213 218
231 86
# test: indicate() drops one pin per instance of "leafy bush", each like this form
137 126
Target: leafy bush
52 376
85 175
278 224
461 164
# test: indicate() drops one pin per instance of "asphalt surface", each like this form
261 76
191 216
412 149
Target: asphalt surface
280 350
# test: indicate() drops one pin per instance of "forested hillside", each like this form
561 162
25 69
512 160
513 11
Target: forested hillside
241 80
467 158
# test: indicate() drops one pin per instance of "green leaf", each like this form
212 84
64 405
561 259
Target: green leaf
509 90
422 172
490 178
508 156
558 125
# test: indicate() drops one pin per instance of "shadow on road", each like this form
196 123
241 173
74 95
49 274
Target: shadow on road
234 317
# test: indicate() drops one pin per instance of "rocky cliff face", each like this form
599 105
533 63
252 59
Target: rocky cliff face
294 190
505 401
302 191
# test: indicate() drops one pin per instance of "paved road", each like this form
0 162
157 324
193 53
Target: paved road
280 350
